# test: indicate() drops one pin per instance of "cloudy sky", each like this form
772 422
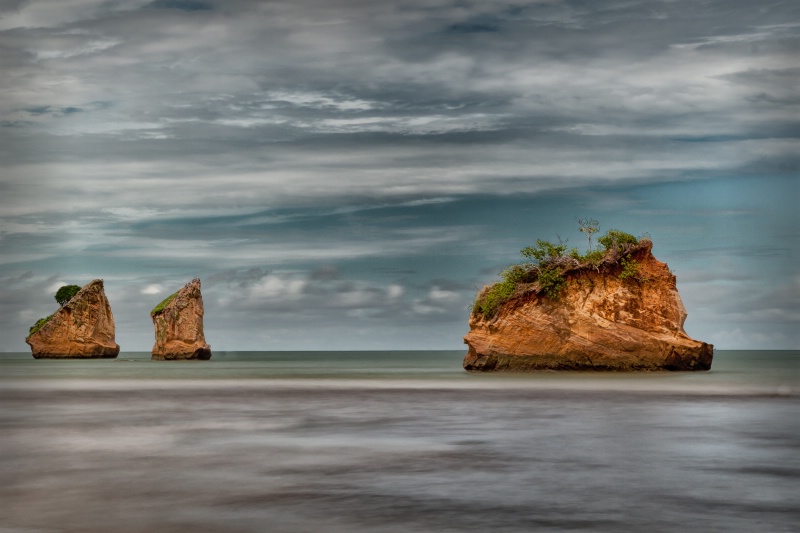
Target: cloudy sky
344 174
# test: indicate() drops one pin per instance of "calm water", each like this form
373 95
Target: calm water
395 442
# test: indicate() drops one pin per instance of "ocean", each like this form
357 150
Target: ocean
395 442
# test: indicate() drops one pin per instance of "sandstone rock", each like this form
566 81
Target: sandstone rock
82 328
178 323
599 322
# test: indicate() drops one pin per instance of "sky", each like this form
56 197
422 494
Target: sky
346 174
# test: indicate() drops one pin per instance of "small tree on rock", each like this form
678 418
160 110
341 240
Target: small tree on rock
589 227
544 253
65 293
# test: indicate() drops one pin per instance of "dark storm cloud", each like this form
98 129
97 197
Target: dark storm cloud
159 139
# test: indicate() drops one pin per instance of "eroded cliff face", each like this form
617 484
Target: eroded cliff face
81 328
600 322
179 326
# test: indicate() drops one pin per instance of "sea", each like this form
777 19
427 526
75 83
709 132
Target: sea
395 441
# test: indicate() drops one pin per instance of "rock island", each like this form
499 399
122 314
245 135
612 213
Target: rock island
178 323
82 328
614 308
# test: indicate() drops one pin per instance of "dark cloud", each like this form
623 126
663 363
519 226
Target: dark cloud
7 6
474 27
184 5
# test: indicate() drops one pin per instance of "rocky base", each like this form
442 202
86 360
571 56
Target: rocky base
474 362
105 353
174 354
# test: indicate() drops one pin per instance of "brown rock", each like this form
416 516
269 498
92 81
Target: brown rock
599 322
82 328
178 323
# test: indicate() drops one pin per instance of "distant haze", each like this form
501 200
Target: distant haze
346 174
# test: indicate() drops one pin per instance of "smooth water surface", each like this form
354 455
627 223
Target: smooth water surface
395 442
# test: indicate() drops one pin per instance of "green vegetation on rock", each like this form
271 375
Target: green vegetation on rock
65 293
164 303
617 240
546 263
630 267
39 323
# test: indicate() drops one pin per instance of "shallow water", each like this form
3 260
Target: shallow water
395 442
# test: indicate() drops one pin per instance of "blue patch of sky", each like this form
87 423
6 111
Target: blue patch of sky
63 111
40 110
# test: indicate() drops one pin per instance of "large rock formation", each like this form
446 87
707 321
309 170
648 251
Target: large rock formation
82 328
600 321
178 323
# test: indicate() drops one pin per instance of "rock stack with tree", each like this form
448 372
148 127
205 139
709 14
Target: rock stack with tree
616 307
83 327
178 323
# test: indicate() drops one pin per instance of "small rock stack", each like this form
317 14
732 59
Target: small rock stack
178 323
82 328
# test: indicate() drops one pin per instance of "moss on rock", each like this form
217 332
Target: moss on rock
39 323
164 303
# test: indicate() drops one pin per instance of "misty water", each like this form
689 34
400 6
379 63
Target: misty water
395 442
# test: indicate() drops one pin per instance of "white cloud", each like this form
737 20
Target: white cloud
52 288
425 309
437 294
153 289
395 291
322 100
91 47
278 287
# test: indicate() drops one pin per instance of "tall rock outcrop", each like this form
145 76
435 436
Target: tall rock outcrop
600 321
82 328
178 323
